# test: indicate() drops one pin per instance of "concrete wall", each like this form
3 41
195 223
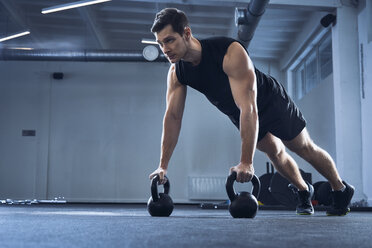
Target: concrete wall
98 132
24 104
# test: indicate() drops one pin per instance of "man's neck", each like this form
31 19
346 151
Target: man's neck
194 53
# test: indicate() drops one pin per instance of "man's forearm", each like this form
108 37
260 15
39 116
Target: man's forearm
171 131
248 133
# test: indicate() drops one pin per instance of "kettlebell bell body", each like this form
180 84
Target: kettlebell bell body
160 204
243 204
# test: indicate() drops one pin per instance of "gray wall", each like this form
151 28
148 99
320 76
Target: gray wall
98 132
24 104
98 129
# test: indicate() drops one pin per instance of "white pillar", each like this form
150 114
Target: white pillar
347 98
365 51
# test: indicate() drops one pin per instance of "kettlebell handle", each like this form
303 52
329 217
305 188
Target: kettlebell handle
230 189
154 187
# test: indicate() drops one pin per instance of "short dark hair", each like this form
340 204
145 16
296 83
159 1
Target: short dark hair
172 16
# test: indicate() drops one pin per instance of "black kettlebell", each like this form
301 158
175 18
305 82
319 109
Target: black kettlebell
160 204
244 204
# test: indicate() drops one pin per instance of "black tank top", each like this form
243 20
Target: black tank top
209 78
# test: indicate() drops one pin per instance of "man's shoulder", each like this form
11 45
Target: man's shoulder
221 42
217 39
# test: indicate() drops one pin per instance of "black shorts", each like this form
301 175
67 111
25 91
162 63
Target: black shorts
280 116
282 119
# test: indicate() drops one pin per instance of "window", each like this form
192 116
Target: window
325 56
300 77
311 73
314 67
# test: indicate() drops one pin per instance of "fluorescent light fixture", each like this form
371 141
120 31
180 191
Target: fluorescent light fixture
14 36
71 5
21 48
145 41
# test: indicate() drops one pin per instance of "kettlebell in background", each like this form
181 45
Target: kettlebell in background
244 204
160 204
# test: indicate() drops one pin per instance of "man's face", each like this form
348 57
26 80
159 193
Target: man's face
172 44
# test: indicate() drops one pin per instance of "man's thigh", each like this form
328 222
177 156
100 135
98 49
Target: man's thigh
301 140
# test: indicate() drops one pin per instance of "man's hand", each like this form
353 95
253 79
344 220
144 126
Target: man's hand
161 172
244 172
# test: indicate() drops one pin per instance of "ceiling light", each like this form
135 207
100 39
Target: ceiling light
14 36
150 53
71 5
21 48
145 41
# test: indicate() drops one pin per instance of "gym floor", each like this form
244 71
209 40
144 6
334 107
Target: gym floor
129 225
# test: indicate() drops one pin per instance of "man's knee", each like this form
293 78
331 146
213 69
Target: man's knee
273 147
276 153
277 157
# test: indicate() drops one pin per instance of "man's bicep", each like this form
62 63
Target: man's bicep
243 91
176 96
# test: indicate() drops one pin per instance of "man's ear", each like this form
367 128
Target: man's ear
187 33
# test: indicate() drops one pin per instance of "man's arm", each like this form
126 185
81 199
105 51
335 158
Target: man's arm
240 71
176 96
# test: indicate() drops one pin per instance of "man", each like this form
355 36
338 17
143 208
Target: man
256 103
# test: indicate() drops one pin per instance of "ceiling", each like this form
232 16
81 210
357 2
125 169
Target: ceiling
121 24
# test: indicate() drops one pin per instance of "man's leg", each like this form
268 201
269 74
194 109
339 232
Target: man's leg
322 162
288 168
303 146
283 162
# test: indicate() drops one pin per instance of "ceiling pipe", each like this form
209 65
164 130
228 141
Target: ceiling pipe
248 18
76 55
